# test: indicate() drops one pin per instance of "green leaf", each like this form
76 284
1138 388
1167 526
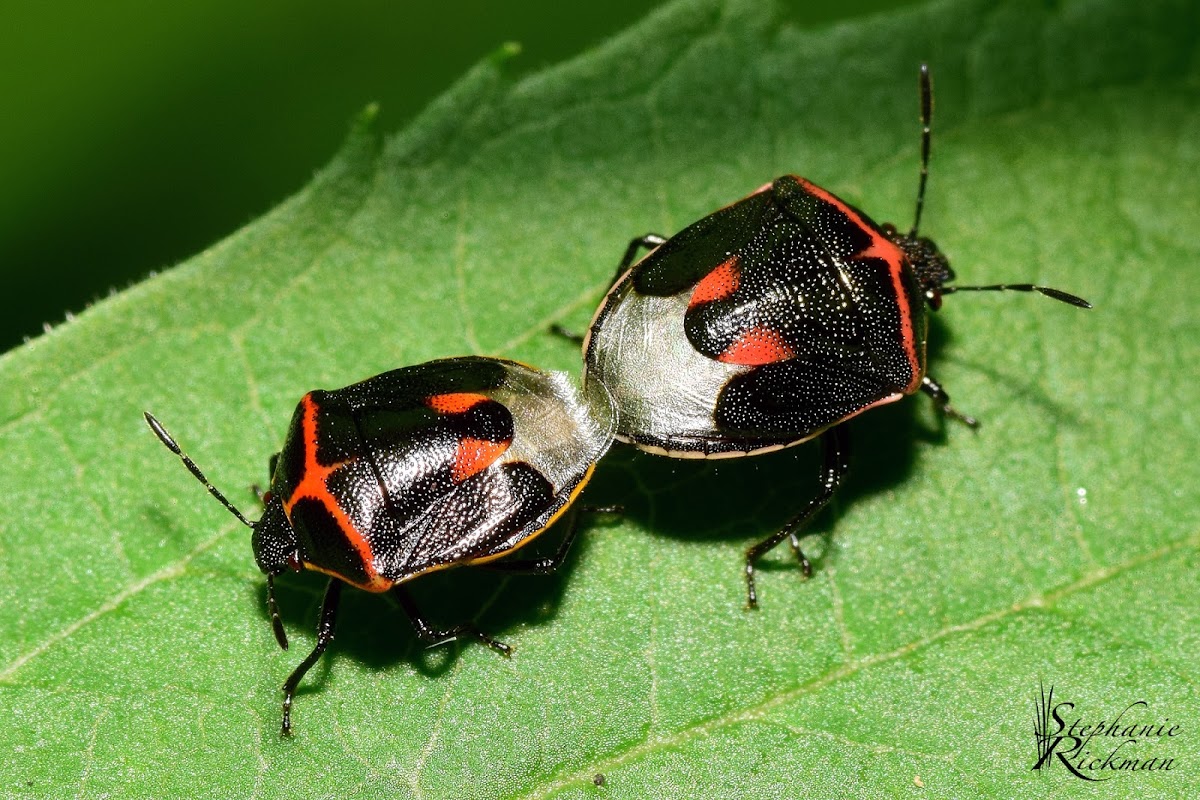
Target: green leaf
1057 544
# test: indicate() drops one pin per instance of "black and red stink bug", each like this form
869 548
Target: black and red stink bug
453 462
769 323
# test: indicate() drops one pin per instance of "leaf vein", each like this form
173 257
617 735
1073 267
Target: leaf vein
874 747
167 572
849 669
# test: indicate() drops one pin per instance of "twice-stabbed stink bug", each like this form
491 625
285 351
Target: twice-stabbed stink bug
448 463
769 323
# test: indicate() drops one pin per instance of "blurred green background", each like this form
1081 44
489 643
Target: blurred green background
136 133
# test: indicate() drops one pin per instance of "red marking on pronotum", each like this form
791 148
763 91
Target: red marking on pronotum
882 248
717 285
455 402
758 346
314 485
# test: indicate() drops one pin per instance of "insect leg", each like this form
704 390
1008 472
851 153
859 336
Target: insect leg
648 241
325 625
942 400
258 490
567 333
836 443
805 566
436 636
549 564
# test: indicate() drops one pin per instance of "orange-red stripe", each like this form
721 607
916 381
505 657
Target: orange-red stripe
758 346
454 402
883 248
476 455
313 486
718 284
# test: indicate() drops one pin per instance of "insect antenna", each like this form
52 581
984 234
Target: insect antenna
926 135
171 445
1055 294
926 119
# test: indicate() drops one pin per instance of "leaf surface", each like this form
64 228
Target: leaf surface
1059 543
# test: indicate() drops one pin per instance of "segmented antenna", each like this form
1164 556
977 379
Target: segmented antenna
926 123
926 119
1054 294
170 444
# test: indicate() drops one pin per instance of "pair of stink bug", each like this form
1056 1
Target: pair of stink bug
761 326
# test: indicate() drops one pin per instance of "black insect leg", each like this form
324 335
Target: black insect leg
942 400
325 625
258 491
549 564
436 636
836 444
805 565
276 620
649 241
567 333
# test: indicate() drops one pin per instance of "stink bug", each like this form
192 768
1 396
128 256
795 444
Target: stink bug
769 323
454 462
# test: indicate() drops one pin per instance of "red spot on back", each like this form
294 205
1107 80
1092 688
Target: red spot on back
454 402
476 455
758 346
718 284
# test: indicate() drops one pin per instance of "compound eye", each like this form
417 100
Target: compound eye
293 561
267 497
934 298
